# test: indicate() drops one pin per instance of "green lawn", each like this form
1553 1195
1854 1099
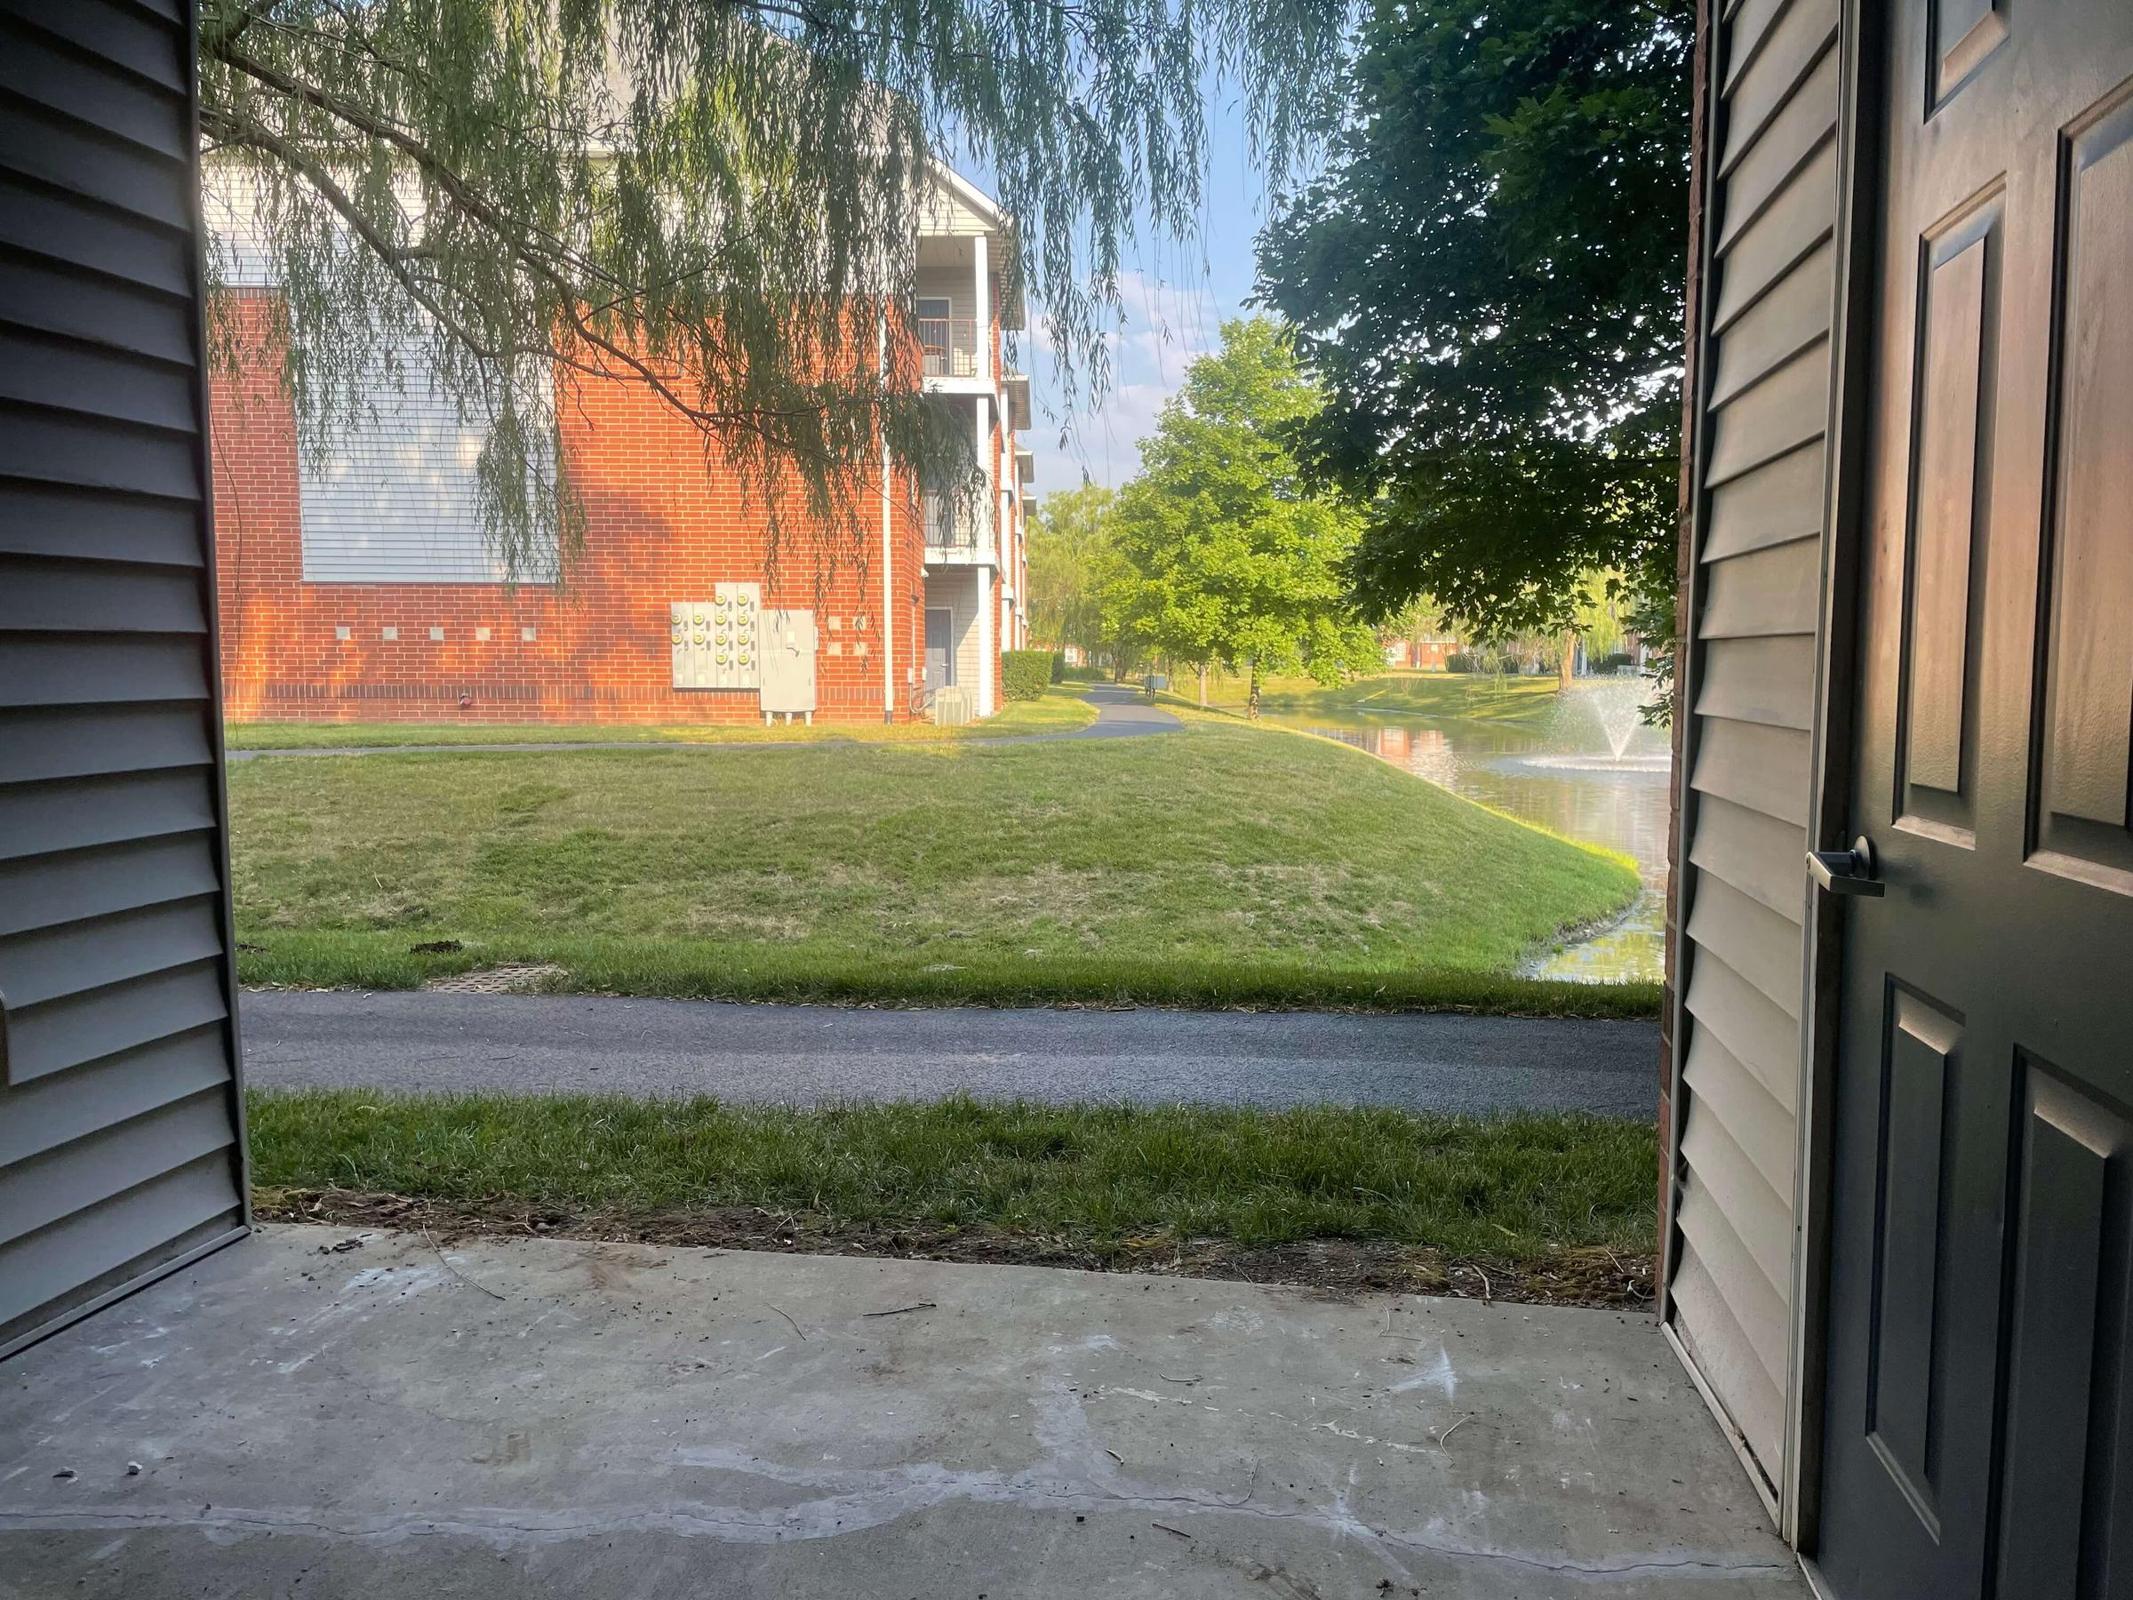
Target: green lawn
1425 694
1094 1185
1061 710
1220 865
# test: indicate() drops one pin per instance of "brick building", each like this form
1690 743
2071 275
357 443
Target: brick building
360 588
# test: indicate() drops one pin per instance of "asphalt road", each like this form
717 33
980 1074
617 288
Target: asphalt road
532 1044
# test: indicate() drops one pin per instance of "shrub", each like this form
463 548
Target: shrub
1059 666
1468 661
1615 661
1025 674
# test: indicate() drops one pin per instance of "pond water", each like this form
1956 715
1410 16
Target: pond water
1589 770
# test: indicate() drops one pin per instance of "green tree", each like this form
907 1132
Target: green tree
1069 552
711 198
1225 555
1488 280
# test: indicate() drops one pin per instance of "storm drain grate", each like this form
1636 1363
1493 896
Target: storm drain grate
523 977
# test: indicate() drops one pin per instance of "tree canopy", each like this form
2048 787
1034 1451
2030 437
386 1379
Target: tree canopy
1225 554
1070 553
695 197
1488 280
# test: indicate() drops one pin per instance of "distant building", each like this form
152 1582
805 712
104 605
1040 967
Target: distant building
360 587
1427 651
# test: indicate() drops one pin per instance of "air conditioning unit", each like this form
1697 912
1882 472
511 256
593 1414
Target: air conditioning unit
953 706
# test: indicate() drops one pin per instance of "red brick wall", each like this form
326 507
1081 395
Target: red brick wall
664 523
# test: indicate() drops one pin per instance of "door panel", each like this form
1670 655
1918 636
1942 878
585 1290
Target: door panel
1976 1435
2086 700
2067 1369
1958 336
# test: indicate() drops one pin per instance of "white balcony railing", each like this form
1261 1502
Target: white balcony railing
951 347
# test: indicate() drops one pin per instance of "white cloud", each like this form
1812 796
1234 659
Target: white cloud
1163 328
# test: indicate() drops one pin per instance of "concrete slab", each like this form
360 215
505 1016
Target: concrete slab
549 1417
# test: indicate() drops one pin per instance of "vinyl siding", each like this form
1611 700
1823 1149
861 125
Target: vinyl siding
1766 349
120 1146
393 498
957 589
957 285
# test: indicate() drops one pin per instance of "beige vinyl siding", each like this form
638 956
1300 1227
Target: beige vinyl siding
944 211
956 588
393 498
957 285
1767 356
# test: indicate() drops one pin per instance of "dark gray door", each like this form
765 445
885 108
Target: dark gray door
1979 1403
121 1151
940 648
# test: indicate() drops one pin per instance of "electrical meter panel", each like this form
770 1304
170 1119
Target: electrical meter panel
789 663
717 642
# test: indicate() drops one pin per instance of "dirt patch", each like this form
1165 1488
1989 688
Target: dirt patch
1575 1277
529 977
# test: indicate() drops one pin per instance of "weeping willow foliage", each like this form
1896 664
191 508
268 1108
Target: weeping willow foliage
716 199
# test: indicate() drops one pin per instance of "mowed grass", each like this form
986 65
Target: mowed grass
1423 694
1514 1188
1219 865
1060 710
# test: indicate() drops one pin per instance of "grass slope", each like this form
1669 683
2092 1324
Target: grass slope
1061 710
1103 1185
1220 865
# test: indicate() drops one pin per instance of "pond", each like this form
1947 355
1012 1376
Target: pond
1588 769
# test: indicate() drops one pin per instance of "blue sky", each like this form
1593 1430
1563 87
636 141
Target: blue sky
1175 299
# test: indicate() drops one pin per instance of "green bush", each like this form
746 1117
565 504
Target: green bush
1025 674
1614 661
1059 666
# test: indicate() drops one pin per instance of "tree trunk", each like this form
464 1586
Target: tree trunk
1203 686
1567 660
1251 699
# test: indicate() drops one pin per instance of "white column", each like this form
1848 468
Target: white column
982 503
988 613
982 325
988 555
888 547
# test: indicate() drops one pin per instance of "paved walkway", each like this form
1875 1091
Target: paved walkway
1121 713
523 1419
582 1044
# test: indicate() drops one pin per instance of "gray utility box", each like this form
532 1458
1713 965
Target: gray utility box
788 657
954 705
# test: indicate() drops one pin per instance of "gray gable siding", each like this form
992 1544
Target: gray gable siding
121 1144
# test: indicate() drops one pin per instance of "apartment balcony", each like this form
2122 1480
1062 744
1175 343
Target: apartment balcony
952 349
957 534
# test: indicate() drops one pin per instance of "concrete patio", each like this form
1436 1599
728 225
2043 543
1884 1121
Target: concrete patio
296 1416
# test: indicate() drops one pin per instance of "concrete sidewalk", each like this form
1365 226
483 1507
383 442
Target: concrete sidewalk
803 1055
1121 714
555 1418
